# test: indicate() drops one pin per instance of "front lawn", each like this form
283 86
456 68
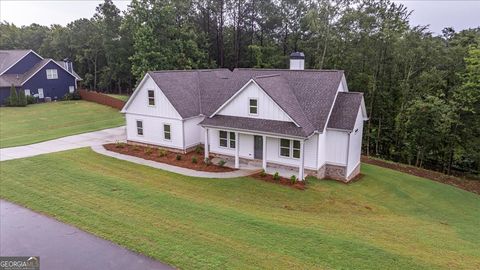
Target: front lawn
46 121
387 220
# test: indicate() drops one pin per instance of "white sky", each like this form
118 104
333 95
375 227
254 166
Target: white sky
437 14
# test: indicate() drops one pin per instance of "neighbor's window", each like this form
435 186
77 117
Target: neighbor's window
289 148
27 92
253 106
167 135
151 98
139 127
227 139
52 74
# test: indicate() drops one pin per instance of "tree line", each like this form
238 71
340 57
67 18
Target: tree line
421 89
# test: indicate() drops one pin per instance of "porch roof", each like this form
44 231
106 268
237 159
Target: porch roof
255 125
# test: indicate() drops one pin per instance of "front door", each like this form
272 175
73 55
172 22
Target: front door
258 147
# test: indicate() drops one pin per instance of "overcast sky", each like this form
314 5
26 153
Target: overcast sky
438 14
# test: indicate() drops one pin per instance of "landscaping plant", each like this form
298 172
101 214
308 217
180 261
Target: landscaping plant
198 149
276 176
119 144
263 173
13 98
178 157
293 179
161 152
207 161
148 151
221 163
194 159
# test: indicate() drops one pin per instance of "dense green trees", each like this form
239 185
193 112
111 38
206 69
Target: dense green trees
421 90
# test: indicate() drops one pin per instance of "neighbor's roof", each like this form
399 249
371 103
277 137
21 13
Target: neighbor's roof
307 96
345 111
10 57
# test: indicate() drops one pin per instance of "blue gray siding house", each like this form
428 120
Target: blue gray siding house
35 75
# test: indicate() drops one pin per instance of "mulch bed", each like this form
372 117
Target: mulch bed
282 181
465 184
152 153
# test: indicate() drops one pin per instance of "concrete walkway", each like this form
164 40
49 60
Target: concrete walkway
66 143
61 246
175 169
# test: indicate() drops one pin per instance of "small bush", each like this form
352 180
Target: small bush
136 148
12 100
207 161
221 163
198 149
276 176
293 179
22 99
263 173
161 152
148 151
194 159
31 100
119 144
178 157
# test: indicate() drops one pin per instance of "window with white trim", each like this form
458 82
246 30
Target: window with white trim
71 89
27 92
139 127
52 74
253 106
151 98
289 148
167 133
227 139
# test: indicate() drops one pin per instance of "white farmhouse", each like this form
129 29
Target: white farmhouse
301 119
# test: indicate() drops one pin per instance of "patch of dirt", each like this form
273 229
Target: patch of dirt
168 157
281 181
465 184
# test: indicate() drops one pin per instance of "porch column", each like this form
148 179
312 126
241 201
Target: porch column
302 161
264 156
205 146
237 151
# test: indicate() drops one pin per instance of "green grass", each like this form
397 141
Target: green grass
46 121
121 97
387 220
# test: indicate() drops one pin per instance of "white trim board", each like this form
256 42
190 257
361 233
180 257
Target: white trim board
51 60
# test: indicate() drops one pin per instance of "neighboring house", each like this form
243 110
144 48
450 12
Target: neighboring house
36 76
302 119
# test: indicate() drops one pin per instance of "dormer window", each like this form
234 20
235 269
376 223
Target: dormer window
151 98
253 106
52 74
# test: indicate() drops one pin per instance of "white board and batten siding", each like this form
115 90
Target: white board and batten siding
267 108
310 161
153 117
194 133
336 147
355 147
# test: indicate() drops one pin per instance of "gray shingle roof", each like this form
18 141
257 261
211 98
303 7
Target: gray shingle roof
6 80
9 57
345 110
254 124
305 95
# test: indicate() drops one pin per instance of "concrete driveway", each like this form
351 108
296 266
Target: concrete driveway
60 246
66 143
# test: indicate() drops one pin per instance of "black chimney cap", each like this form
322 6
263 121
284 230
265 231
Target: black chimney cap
297 55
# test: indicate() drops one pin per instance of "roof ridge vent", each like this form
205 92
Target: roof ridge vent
266 76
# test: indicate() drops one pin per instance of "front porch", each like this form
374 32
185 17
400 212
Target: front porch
251 150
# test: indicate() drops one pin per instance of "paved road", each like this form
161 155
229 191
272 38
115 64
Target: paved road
61 246
65 143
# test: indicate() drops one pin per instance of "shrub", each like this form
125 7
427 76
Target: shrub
161 152
198 149
221 163
13 98
207 161
276 176
194 159
293 179
22 100
30 100
119 144
136 148
148 151
263 173
178 157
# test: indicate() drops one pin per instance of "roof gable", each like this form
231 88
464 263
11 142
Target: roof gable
39 66
10 58
345 111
